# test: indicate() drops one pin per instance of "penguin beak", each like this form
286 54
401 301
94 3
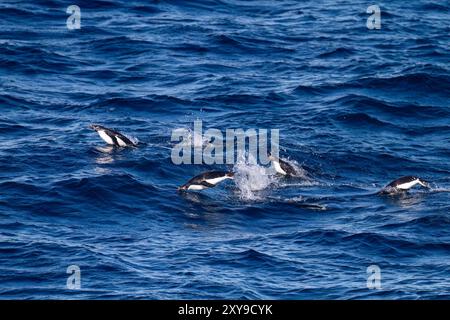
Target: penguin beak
93 127
425 184
182 188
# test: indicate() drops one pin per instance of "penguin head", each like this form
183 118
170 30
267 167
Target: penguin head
420 181
96 127
424 183
271 157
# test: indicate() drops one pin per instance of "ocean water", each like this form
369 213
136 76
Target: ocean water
356 108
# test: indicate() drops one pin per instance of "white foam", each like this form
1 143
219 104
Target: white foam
440 189
132 139
299 171
194 139
250 178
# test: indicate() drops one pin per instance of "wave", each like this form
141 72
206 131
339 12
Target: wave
151 104
415 82
236 99
17 13
395 246
389 245
404 110
22 188
431 221
100 4
104 188
190 48
118 46
434 6
337 53
8 100
146 9
254 256
359 107
362 120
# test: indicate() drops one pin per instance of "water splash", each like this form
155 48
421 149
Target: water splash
251 178
302 202
438 189
133 139
300 172
194 139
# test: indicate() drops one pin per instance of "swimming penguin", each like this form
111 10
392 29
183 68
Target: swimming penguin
206 180
404 184
112 137
282 167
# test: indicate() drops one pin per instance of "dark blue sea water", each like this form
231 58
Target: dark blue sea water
356 108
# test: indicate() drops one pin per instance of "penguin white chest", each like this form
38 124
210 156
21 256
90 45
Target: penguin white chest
105 137
215 181
277 167
121 142
196 187
407 185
